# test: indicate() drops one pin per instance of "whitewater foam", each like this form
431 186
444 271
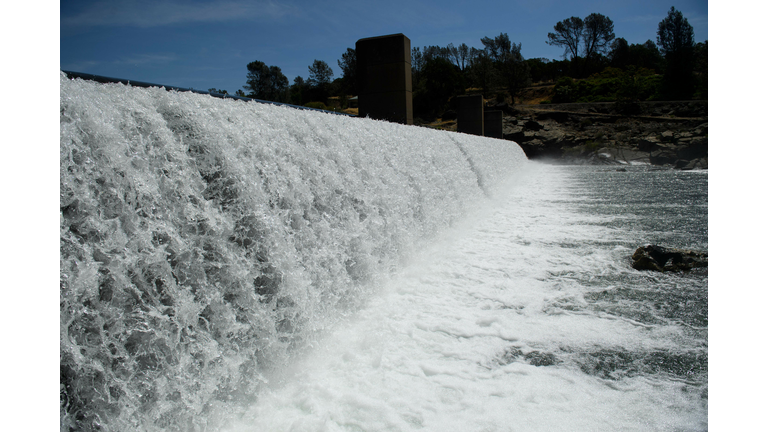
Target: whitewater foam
205 242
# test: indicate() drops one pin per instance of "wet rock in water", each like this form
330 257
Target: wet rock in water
659 258
537 358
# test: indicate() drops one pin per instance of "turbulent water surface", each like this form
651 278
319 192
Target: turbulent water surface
243 267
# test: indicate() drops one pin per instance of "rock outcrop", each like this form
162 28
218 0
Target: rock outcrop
663 259
672 134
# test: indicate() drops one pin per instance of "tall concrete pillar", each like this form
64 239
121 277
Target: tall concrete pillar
492 124
385 89
469 115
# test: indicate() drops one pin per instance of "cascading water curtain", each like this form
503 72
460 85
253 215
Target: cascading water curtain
204 242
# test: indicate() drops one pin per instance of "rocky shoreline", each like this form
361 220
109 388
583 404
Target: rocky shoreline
670 134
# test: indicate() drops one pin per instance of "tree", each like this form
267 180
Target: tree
266 82
598 34
568 34
499 48
675 41
348 65
700 67
438 81
646 55
515 71
482 72
619 55
319 80
319 74
462 59
215 90
674 34
299 91
508 66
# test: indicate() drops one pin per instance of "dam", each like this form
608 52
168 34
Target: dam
229 265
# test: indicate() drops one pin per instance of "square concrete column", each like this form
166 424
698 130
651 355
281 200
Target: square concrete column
385 90
492 125
469 115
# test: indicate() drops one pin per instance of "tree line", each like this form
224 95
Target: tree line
673 67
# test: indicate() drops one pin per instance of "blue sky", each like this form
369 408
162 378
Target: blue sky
204 44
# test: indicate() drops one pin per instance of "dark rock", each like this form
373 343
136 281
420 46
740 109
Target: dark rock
659 258
558 130
532 125
696 148
668 136
449 115
695 164
557 116
663 157
648 144
537 358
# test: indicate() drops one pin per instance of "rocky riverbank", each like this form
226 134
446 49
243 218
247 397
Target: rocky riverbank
672 134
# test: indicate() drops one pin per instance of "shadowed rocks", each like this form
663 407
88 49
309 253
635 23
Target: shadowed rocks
663 259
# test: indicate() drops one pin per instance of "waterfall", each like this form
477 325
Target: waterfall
205 242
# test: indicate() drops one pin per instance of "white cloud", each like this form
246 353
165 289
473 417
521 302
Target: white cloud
147 13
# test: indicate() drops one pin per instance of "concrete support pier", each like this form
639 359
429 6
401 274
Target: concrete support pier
385 89
469 115
492 124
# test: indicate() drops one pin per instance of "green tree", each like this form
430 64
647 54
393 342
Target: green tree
675 34
700 66
439 80
299 91
319 74
462 56
509 68
319 80
215 90
498 48
568 35
675 41
348 65
515 71
482 72
597 35
619 53
266 82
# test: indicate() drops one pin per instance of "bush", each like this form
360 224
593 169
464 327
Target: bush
612 84
565 90
317 105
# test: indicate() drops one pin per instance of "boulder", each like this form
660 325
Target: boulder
695 149
663 157
695 164
663 259
668 136
532 125
647 144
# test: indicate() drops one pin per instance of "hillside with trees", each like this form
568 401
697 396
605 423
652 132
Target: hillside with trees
596 66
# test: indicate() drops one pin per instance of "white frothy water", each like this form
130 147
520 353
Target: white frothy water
244 267
205 243
476 335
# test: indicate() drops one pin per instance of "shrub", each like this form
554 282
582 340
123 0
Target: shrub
317 105
612 84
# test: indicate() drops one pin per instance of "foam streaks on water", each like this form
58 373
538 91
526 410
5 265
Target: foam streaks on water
528 319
